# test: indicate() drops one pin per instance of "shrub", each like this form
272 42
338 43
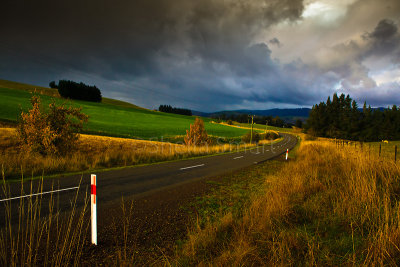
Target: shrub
49 133
197 134
246 138
270 135
230 122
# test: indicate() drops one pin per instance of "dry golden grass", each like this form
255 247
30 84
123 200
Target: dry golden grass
97 152
29 239
331 206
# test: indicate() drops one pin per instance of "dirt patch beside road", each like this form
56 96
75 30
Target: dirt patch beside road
157 223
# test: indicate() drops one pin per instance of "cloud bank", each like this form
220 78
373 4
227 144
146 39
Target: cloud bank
207 54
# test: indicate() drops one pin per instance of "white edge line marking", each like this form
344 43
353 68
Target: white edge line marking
43 193
192 167
238 157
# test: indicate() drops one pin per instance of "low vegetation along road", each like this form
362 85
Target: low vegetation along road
137 181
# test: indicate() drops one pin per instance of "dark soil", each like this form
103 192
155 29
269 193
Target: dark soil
157 222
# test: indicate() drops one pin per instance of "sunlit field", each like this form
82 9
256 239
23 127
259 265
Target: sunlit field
261 127
116 118
98 152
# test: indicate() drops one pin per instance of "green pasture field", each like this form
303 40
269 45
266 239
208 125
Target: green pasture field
372 148
387 149
262 127
112 117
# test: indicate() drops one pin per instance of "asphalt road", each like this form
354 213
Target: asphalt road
137 181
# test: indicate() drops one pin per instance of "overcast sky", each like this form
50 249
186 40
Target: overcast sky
208 55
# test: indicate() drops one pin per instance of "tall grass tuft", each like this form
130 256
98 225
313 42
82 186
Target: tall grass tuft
330 206
124 251
31 238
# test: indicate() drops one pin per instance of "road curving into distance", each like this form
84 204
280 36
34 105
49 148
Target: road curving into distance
138 181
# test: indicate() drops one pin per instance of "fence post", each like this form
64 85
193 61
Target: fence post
395 153
93 198
380 149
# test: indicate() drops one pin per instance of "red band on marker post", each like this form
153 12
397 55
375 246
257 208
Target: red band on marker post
93 208
93 188
93 192
287 153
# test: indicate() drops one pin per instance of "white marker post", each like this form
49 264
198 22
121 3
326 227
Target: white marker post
287 153
93 197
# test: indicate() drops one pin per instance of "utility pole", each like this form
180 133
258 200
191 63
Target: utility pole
266 126
251 133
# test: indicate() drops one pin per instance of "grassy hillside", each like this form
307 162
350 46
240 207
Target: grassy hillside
111 117
54 92
29 88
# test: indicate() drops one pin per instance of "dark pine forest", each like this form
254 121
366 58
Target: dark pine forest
342 118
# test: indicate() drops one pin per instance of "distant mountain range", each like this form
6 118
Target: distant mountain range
288 114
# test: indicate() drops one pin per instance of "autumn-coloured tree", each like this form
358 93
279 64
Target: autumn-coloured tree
197 134
54 132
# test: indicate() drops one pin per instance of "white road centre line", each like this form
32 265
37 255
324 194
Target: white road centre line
191 167
43 193
238 157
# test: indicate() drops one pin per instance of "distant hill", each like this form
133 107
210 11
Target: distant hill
54 93
201 114
286 114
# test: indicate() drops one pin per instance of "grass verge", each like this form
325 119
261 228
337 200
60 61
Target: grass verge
34 232
329 206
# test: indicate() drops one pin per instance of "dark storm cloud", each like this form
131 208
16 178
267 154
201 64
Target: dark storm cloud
385 30
385 40
275 41
129 34
78 34
201 50
194 49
